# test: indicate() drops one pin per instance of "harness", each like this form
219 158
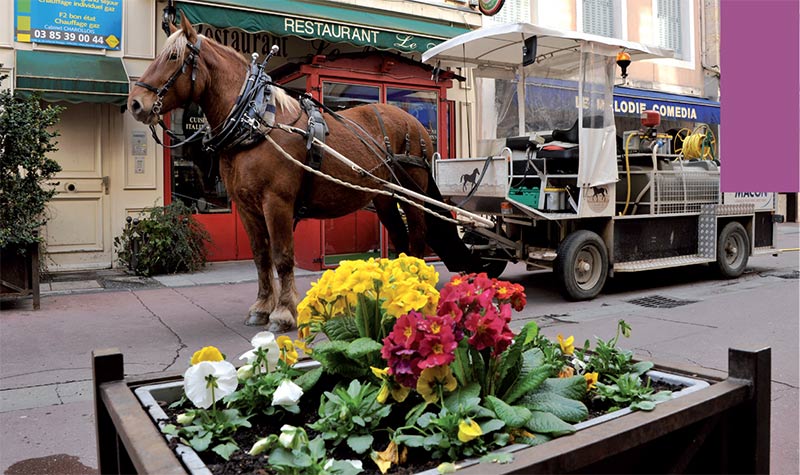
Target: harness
189 61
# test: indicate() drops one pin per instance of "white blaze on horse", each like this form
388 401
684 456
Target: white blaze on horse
270 191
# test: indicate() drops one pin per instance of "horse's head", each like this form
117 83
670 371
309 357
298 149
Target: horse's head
174 78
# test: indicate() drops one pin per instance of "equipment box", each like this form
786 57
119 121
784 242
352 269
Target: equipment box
527 196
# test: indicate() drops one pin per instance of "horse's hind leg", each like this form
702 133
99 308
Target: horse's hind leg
279 217
390 217
259 242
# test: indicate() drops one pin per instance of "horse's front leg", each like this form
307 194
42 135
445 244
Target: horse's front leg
279 217
256 230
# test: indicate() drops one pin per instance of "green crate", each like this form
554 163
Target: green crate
526 196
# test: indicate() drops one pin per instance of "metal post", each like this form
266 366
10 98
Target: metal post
749 448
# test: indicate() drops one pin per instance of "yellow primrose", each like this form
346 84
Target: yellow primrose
468 430
591 380
288 352
567 345
431 379
207 353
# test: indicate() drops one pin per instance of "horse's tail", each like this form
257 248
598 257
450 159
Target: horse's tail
442 236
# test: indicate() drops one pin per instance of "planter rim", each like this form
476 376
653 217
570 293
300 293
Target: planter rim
195 465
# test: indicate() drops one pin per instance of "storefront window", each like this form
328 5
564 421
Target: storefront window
420 104
195 174
340 96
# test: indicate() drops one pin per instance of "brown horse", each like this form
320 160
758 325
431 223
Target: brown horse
266 186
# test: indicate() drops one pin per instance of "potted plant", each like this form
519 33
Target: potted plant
407 373
26 138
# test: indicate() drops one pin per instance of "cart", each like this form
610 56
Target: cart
582 200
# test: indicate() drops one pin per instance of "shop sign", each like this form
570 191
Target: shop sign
244 41
356 35
84 23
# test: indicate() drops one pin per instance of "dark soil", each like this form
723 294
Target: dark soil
242 463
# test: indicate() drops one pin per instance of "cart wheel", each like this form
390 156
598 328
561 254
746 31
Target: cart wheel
733 250
493 267
582 265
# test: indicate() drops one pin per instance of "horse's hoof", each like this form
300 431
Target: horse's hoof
281 321
256 319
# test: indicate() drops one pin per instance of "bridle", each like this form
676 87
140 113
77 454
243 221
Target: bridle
189 61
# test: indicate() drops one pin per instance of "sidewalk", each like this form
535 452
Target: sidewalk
46 408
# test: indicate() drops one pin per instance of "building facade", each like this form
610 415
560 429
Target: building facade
84 58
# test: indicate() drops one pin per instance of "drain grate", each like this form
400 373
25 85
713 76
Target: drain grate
659 301
791 275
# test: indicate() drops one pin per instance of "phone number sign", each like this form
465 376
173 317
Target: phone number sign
86 23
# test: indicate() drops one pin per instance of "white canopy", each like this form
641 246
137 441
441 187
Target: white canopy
501 45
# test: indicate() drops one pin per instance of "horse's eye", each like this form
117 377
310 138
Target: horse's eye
173 57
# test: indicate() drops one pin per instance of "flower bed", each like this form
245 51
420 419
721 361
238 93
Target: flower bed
422 374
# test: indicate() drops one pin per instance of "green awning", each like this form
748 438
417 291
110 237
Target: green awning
72 77
344 23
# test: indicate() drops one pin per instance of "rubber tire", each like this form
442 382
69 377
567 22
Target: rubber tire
733 250
579 245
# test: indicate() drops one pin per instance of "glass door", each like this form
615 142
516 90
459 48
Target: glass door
194 179
358 235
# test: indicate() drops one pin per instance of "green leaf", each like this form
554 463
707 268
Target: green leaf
532 359
547 423
561 407
527 383
307 380
409 440
497 458
343 467
643 406
641 367
460 396
361 347
513 416
510 359
367 318
360 443
571 388
225 450
200 444
169 429
333 358
341 328
491 425
531 332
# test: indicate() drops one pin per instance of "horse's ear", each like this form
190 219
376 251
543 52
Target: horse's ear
172 28
188 29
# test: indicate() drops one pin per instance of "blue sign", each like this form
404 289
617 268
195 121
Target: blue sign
557 94
86 23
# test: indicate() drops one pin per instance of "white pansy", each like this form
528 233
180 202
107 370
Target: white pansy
245 372
265 341
260 446
287 394
184 418
199 391
292 437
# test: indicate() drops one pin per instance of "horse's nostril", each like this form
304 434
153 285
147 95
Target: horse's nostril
135 106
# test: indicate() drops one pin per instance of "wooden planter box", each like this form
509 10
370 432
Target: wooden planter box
723 428
19 276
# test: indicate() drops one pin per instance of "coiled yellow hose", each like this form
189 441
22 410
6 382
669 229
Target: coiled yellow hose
699 144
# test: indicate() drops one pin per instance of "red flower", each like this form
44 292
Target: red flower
489 330
405 330
438 346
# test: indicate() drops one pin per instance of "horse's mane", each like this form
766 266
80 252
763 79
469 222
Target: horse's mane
176 43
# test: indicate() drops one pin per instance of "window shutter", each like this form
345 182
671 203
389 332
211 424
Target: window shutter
598 18
513 11
670 25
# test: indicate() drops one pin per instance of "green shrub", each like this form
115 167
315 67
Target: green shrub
26 137
166 241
